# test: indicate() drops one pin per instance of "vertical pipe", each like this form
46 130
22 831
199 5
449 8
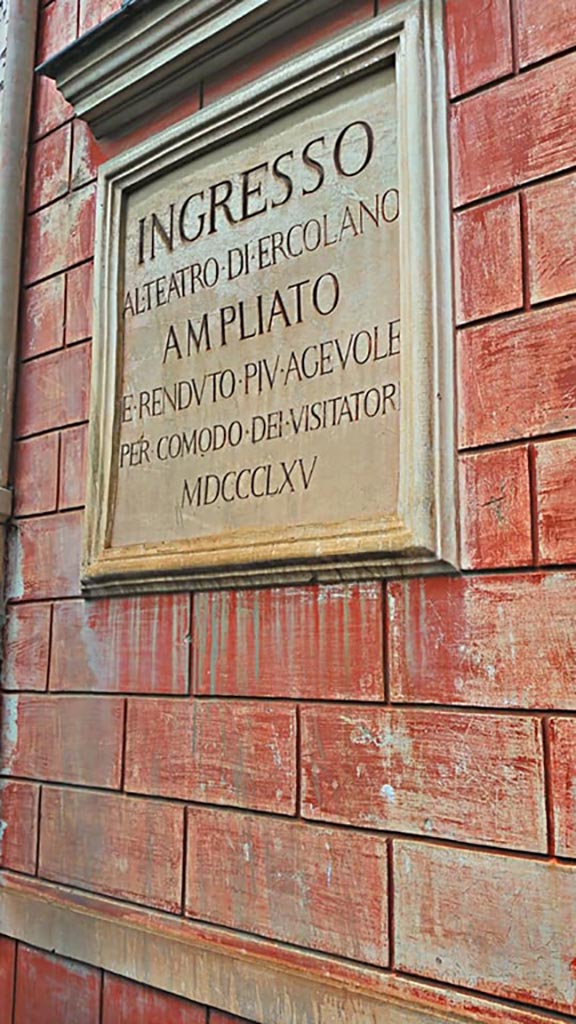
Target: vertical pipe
18 20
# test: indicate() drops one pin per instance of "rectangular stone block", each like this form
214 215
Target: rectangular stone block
516 132
50 167
294 642
94 11
115 845
563 791
57 27
35 474
488 259
49 109
544 28
26 647
60 235
499 924
72 479
470 777
516 377
44 557
479 48
495 641
216 752
53 990
123 645
551 221
495 510
53 391
63 739
556 500
7 962
18 827
42 323
322 888
126 1002
79 285
87 155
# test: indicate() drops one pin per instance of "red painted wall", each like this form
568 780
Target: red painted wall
39 988
384 772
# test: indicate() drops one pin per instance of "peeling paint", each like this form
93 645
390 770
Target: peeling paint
388 737
214 647
15 578
256 628
9 731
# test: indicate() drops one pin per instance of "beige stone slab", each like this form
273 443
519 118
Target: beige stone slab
269 393
272 378
247 976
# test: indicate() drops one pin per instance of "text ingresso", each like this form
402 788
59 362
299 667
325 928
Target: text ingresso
255 190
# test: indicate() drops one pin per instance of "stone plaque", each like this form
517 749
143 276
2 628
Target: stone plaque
261 330
266 389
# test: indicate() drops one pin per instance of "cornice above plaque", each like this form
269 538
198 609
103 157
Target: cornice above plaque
150 52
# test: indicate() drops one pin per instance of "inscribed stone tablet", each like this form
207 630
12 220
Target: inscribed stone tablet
273 342
262 333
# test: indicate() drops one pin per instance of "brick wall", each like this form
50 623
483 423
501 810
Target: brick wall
383 772
39 988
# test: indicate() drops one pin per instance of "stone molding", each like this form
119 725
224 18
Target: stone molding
254 978
150 53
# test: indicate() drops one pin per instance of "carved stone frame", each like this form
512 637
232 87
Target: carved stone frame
422 536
